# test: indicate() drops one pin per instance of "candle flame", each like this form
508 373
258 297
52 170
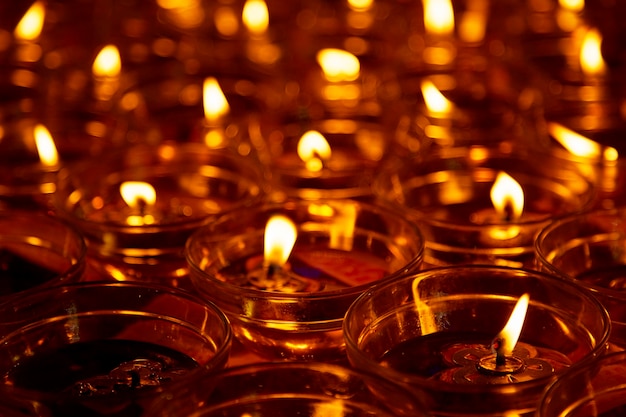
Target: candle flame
507 197
30 26
256 16
280 237
438 17
338 65
313 149
138 195
473 22
434 99
580 145
591 61
572 5
505 341
360 4
45 146
215 103
425 315
107 63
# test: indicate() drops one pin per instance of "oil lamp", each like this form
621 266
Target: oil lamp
477 340
286 272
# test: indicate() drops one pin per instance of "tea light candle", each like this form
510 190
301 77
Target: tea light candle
444 332
449 194
278 285
138 206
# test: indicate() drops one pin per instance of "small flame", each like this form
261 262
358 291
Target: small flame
338 65
473 23
280 237
45 146
138 195
256 16
30 26
591 61
572 5
434 99
505 341
579 145
360 4
507 197
313 149
215 103
107 63
438 17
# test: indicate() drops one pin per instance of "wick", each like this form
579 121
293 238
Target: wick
508 211
271 270
497 345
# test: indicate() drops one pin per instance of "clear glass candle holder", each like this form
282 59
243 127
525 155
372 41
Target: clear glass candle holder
107 348
144 240
434 331
357 148
448 194
38 250
343 247
596 389
588 249
288 388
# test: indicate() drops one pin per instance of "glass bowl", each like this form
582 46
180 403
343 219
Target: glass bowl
438 344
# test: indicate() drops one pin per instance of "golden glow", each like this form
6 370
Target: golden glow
45 146
434 99
591 61
509 335
256 16
313 149
138 195
280 237
108 62
425 315
343 226
473 22
30 26
215 103
507 197
579 145
338 65
360 4
572 5
332 408
226 21
438 17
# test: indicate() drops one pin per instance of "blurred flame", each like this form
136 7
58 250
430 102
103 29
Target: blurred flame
360 4
215 103
45 146
509 335
30 26
579 145
434 99
313 149
572 5
107 63
507 197
438 17
338 65
473 22
280 237
137 195
591 61
256 16
226 21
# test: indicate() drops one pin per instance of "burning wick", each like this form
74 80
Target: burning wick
503 361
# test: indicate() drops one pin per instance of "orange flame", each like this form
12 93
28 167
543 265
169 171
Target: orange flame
138 195
435 101
45 146
280 237
256 16
438 17
30 26
107 63
338 65
591 61
313 149
509 335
